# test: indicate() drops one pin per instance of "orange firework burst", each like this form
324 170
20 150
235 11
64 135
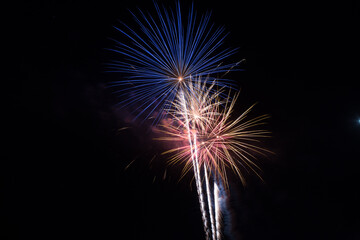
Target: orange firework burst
217 140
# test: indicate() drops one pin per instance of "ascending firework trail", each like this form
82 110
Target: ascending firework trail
195 161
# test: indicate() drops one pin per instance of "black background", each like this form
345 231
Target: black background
64 173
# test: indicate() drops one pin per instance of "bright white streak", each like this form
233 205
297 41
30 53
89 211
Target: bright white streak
209 201
195 164
217 211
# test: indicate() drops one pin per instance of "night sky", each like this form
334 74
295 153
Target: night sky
69 173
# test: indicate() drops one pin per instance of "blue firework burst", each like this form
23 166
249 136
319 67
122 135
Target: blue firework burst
164 54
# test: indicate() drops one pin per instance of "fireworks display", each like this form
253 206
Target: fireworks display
147 120
166 53
175 70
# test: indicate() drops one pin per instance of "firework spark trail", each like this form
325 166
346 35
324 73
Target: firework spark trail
195 165
217 211
197 168
200 190
209 202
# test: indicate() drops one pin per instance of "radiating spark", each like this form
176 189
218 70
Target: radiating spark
122 129
130 164
164 174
